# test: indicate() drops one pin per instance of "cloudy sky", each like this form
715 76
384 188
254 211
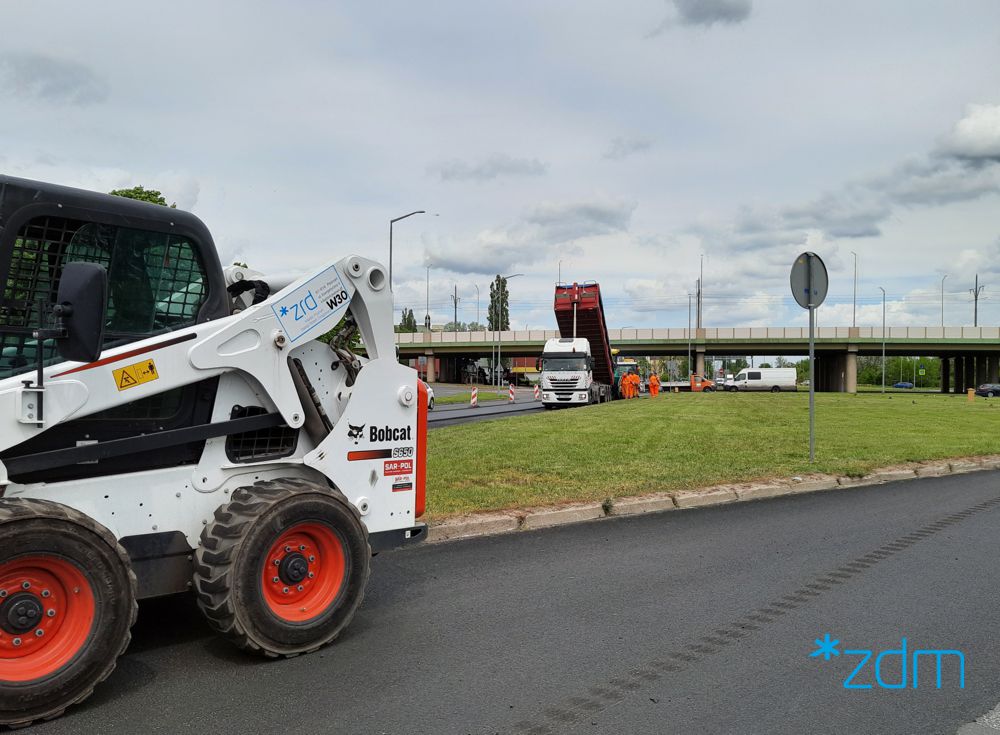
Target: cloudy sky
620 140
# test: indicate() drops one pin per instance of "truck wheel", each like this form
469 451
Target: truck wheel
283 567
775 389
67 603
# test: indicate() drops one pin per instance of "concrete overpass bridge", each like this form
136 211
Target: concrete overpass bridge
969 355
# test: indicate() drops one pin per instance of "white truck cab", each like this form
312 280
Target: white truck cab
567 377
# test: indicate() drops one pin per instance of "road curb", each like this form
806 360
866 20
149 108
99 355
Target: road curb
503 522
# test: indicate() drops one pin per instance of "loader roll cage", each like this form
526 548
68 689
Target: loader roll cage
163 268
163 274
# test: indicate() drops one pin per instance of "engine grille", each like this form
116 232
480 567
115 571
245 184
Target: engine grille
253 446
564 388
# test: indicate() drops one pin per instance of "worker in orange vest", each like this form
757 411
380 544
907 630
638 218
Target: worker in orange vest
634 383
654 385
623 386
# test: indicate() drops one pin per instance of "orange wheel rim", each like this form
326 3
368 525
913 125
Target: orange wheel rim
304 572
47 612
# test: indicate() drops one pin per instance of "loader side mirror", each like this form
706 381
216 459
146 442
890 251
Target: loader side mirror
81 305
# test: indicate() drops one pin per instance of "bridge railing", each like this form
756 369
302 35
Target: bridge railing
712 334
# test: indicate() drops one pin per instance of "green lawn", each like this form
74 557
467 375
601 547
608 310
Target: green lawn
682 441
484 395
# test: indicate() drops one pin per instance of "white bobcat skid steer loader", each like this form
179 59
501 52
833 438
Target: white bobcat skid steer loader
163 431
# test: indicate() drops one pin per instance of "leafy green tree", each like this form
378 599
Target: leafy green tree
143 195
764 365
408 322
802 370
498 316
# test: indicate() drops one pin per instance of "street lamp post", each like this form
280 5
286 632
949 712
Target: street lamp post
689 335
883 337
427 313
391 223
477 303
854 304
504 279
942 298
975 297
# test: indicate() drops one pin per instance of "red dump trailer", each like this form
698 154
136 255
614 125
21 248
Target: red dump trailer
580 316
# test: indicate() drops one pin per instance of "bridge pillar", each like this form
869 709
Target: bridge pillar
994 368
958 375
970 372
851 371
431 367
945 374
699 361
981 371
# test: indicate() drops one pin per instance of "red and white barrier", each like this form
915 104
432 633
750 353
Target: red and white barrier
510 393
538 393
474 401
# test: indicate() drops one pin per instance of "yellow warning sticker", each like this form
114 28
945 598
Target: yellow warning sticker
136 374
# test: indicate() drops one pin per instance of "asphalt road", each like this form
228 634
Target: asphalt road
696 621
451 414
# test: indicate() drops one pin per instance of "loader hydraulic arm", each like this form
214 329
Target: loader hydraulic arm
256 341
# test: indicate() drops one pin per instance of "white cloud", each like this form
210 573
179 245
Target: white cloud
705 13
496 166
40 76
977 135
623 147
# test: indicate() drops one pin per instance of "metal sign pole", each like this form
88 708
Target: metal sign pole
809 283
812 364
812 384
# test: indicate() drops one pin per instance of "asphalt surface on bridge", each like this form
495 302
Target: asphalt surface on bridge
698 621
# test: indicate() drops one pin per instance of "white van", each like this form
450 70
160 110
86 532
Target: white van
772 379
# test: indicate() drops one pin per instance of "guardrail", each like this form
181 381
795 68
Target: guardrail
714 333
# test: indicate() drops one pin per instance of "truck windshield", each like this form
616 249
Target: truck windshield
564 362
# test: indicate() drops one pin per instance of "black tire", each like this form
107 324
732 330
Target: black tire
430 405
59 540
775 389
989 394
233 554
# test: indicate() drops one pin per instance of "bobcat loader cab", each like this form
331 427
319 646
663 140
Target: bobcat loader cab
168 426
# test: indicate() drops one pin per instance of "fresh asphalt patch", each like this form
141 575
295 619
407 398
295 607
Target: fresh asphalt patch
570 712
688 621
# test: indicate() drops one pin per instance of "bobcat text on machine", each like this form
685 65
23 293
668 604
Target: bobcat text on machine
167 425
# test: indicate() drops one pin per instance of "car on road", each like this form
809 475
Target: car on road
903 384
430 395
988 390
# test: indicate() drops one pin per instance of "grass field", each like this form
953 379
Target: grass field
681 441
484 395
